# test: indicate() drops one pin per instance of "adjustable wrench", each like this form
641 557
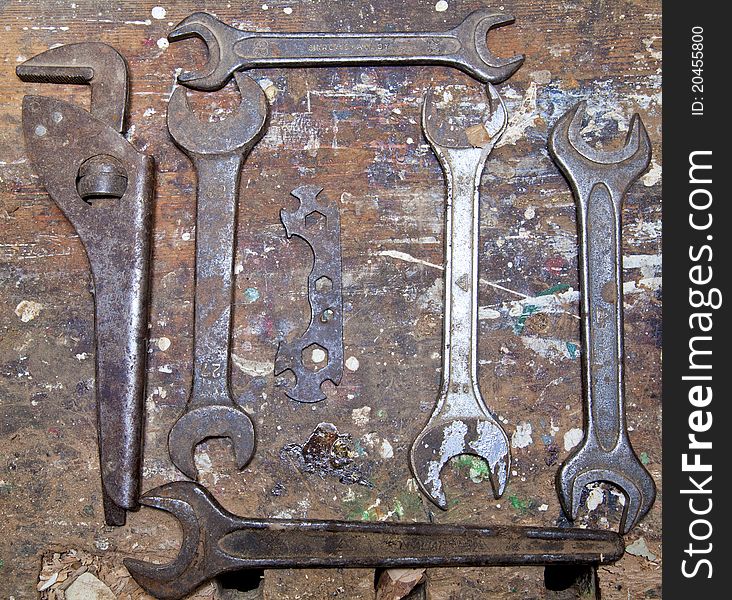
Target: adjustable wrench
599 181
230 49
461 422
216 541
105 188
218 151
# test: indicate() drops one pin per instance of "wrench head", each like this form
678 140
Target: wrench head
213 75
619 467
92 63
444 439
210 422
239 132
473 36
194 508
443 130
584 165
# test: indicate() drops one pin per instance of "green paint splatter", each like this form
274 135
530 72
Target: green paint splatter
2 563
381 413
555 289
518 504
251 295
529 310
572 349
645 459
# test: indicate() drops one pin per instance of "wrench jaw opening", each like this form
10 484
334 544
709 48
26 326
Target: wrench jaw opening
95 64
478 436
213 75
188 570
205 422
473 33
621 469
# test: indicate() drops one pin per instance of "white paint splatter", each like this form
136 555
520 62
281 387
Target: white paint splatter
653 176
441 6
572 438
595 498
81 356
254 368
352 363
385 449
550 348
522 436
529 213
361 416
149 112
28 310
163 343
318 355
158 12
544 508
486 312
524 117
163 43
287 10
640 548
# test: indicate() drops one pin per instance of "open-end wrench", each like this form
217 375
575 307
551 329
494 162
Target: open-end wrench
461 422
599 181
230 49
105 188
216 541
218 151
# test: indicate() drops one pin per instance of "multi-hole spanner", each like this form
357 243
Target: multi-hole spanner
218 151
461 422
216 541
317 221
105 188
231 49
599 181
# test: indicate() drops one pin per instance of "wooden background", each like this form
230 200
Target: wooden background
354 131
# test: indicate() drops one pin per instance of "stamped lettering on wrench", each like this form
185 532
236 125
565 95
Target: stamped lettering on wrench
316 221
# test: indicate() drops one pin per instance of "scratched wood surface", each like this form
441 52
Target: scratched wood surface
355 132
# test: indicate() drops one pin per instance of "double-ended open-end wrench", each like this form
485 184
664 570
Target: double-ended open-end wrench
230 49
218 150
461 422
105 189
216 541
599 181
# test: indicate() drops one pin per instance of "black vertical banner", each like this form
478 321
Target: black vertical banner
696 292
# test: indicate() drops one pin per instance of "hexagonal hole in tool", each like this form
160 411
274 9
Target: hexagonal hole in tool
315 220
314 357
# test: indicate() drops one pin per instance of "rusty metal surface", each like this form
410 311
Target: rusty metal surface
464 47
461 423
317 221
216 541
355 132
218 151
600 180
65 144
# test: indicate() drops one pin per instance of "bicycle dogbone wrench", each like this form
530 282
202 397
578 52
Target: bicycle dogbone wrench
461 422
230 49
317 221
599 182
216 541
218 151
105 188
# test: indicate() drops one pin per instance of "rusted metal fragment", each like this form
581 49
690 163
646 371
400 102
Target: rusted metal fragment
328 454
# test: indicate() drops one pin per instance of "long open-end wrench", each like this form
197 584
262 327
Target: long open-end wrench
599 181
216 541
230 49
218 151
461 422
105 189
